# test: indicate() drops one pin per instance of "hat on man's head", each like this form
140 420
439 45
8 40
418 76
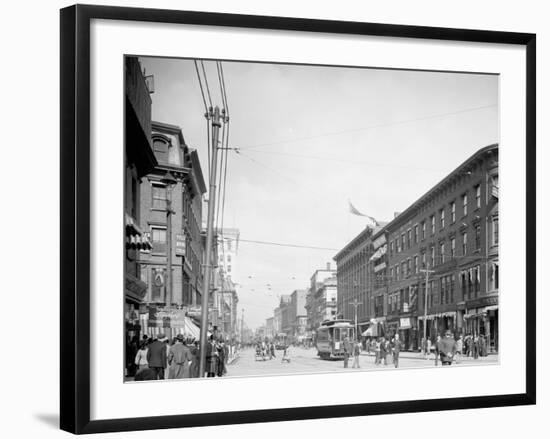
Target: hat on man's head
448 332
161 336
179 337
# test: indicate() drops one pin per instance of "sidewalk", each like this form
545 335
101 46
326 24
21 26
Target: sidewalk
420 356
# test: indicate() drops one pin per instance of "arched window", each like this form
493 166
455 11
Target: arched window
161 144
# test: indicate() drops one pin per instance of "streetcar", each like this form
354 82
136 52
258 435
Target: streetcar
281 341
330 338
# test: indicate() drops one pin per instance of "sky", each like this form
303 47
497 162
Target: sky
313 138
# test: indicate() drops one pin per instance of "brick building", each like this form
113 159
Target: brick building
183 198
452 230
139 160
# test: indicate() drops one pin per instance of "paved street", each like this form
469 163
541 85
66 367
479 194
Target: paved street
306 361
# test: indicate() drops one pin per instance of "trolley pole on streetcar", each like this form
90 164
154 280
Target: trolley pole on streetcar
216 124
426 301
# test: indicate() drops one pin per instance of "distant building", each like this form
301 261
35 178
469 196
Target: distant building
286 313
314 306
354 277
298 315
269 327
228 250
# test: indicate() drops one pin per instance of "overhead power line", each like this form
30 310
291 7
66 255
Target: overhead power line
382 125
280 244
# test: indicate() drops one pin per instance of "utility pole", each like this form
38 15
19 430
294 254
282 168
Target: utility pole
169 181
426 300
355 304
216 124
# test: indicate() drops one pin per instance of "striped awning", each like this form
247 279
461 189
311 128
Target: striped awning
139 242
132 228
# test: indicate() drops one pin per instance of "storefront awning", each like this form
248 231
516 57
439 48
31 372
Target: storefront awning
138 242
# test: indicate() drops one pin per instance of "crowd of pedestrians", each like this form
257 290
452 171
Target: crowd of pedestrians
161 358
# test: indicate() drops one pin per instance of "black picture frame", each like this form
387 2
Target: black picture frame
75 217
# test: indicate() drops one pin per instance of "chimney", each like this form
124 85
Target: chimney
328 265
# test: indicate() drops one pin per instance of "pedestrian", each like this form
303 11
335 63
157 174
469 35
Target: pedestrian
459 347
377 347
220 346
469 345
141 357
424 347
446 348
396 349
475 347
347 351
356 353
387 345
272 350
428 348
286 356
156 356
383 351
436 350
179 359
194 366
211 358
168 345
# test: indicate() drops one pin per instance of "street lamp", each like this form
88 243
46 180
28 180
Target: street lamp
170 182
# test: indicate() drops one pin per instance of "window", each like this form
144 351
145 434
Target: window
397 272
158 236
391 248
494 236
494 186
478 196
442 290
495 276
228 258
432 256
464 284
453 212
453 247
478 237
160 147
416 234
442 252
397 248
402 242
159 196
423 230
464 244
424 260
229 268
415 262
442 218
391 273
432 223
465 204
409 238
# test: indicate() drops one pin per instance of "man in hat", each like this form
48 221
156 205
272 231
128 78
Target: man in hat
446 348
156 356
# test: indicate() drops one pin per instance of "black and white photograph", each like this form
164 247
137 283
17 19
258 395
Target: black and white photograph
291 219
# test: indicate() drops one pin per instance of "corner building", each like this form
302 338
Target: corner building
452 231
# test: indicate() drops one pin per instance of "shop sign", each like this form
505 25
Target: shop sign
404 323
483 301
166 318
180 244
